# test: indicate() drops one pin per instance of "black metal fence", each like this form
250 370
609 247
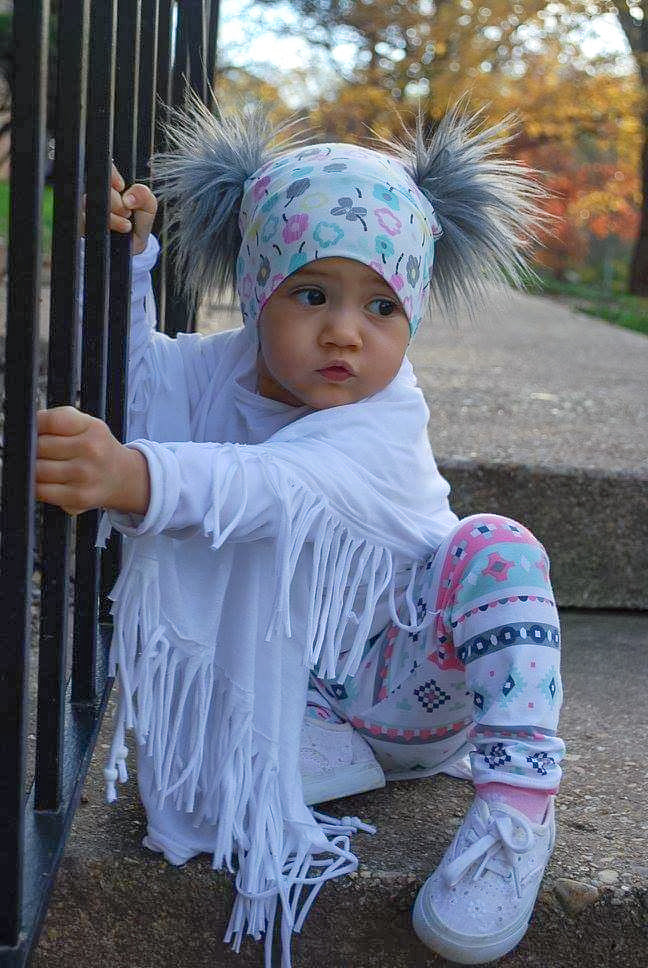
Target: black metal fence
115 59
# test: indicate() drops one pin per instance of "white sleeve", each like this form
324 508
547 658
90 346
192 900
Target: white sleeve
167 378
225 490
155 369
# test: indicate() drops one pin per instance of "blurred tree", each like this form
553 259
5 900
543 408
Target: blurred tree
524 56
237 89
581 128
633 17
406 45
358 113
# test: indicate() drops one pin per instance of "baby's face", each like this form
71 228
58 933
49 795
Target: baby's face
332 333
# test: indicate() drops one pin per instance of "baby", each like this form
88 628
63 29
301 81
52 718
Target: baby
299 615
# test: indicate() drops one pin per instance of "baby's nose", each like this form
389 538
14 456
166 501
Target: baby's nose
342 328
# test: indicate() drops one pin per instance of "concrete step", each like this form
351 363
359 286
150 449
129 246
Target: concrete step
593 523
117 904
541 413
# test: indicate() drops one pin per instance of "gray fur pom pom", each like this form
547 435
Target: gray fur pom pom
200 179
488 206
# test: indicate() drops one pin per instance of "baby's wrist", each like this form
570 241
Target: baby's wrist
146 257
133 488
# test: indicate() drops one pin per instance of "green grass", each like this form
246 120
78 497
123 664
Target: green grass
48 209
611 304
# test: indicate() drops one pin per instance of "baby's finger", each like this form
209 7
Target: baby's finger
119 224
56 447
144 205
143 223
119 214
54 472
62 421
140 198
59 496
116 179
117 206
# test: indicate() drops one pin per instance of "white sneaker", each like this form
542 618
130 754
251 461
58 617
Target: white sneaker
477 904
335 762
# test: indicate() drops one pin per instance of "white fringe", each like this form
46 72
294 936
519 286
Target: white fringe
163 688
155 681
342 564
168 686
282 862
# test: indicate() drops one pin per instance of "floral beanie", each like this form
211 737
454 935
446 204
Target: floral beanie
335 200
441 216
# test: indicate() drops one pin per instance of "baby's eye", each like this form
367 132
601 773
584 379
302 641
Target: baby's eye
382 307
310 297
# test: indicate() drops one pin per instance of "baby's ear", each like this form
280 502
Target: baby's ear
488 206
201 179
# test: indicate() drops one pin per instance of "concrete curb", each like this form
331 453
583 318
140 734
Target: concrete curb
594 524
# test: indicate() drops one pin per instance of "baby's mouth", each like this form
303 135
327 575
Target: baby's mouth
336 372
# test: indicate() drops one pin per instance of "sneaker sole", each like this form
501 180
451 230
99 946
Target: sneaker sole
342 783
472 951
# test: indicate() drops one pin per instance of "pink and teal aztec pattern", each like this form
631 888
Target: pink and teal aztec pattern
335 200
484 676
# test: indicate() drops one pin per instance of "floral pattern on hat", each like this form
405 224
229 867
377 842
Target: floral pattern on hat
388 221
335 200
294 227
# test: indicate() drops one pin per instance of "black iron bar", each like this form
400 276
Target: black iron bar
212 47
62 387
34 827
46 831
180 56
195 39
177 318
147 89
124 151
99 136
30 32
163 91
166 31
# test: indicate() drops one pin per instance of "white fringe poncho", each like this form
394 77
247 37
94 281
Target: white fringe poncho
258 560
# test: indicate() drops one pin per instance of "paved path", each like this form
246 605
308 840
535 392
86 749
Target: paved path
529 382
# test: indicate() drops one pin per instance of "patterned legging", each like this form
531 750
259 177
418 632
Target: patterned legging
483 677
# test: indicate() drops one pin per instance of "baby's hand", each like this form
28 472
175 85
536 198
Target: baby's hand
138 202
80 465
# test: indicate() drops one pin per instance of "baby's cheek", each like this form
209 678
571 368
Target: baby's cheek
388 371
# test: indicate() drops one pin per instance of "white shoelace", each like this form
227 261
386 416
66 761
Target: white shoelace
487 841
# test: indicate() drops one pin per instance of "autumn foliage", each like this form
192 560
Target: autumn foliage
579 120
582 131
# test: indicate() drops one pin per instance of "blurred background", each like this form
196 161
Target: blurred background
575 73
